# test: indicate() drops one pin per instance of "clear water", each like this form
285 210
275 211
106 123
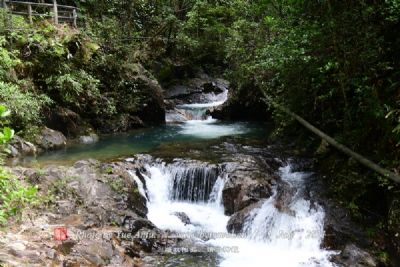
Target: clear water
195 127
143 141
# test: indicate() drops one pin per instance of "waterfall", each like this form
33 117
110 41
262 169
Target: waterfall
270 237
193 183
192 188
281 239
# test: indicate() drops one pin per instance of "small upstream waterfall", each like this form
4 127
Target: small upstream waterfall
196 111
270 238
194 121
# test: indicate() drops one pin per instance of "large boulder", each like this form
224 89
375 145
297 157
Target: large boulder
249 179
49 139
20 147
67 121
201 89
141 94
245 103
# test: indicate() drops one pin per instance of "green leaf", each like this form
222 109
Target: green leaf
8 133
5 113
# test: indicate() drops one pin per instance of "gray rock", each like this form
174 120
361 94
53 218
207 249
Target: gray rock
249 180
284 197
50 139
353 256
183 217
237 220
94 214
201 89
21 147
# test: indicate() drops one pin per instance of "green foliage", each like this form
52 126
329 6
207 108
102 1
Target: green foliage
6 133
394 115
8 61
26 106
14 196
74 87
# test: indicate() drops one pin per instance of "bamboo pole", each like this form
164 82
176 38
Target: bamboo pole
55 10
4 5
74 17
30 13
364 161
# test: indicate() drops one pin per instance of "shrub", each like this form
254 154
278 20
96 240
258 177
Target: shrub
74 87
14 195
25 106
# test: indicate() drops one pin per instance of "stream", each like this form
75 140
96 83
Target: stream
185 196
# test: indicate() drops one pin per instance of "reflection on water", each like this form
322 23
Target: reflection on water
143 140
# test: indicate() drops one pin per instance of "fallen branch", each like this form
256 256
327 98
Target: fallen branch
366 162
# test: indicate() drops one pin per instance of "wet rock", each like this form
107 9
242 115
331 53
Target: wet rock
89 139
136 224
338 226
97 253
176 115
230 194
284 197
20 147
353 256
213 87
181 91
244 104
249 180
201 89
183 217
50 139
236 222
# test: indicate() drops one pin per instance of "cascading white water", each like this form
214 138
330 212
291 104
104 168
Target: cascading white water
271 238
191 184
168 193
195 122
275 238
